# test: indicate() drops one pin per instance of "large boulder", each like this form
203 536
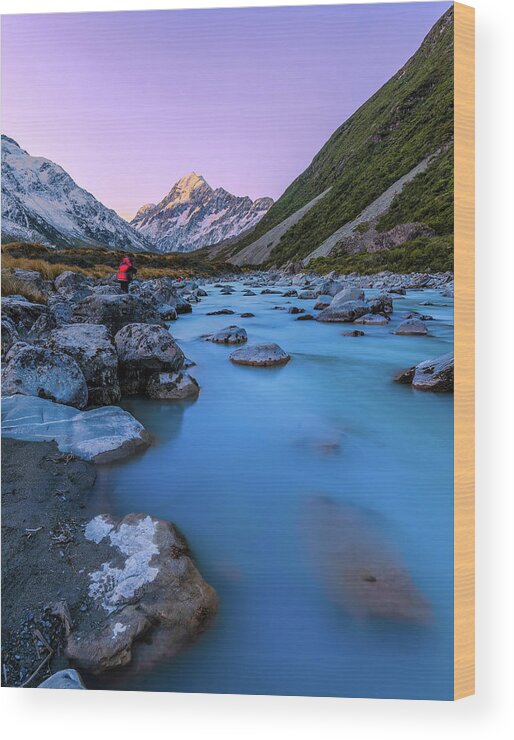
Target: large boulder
144 349
92 348
45 373
382 303
260 355
146 596
411 326
116 311
348 294
174 386
330 287
99 435
347 311
22 313
69 280
230 335
9 334
431 375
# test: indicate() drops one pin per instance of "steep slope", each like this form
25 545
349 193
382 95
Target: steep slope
406 125
41 203
193 215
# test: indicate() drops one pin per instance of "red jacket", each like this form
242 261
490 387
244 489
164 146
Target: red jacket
126 269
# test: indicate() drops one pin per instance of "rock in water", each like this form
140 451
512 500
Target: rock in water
230 335
411 326
92 348
115 311
45 373
372 319
221 312
359 567
344 312
149 587
100 435
348 294
144 349
260 355
67 679
431 375
177 386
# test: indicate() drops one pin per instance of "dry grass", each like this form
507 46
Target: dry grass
12 285
98 262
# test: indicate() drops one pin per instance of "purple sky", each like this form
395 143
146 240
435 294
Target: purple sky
130 102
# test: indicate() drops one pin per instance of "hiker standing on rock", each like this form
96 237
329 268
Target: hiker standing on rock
126 272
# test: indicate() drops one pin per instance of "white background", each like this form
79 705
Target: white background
489 714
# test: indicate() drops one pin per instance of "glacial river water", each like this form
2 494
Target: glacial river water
241 470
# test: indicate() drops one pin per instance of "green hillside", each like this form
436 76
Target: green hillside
409 118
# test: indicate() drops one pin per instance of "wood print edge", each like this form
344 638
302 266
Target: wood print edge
464 453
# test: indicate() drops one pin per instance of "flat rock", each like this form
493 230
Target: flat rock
221 312
44 373
305 317
260 355
99 435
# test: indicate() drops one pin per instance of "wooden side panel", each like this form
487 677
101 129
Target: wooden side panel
464 530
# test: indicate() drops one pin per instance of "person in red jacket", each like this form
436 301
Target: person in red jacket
126 272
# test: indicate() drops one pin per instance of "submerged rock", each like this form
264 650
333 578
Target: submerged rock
295 309
221 312
99 435
360 568
354 333
44 373
431 375
92 348
411 326
149 587
247 315
230 335
260 355
305 317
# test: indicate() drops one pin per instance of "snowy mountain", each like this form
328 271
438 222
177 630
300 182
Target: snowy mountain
41 202
194 215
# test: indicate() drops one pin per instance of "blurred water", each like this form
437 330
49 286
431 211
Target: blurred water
237 470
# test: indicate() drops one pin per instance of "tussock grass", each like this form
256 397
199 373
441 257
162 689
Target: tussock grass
11 285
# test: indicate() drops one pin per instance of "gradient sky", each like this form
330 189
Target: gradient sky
130 102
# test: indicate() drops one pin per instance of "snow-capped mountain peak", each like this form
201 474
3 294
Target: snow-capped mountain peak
193 215
41 202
